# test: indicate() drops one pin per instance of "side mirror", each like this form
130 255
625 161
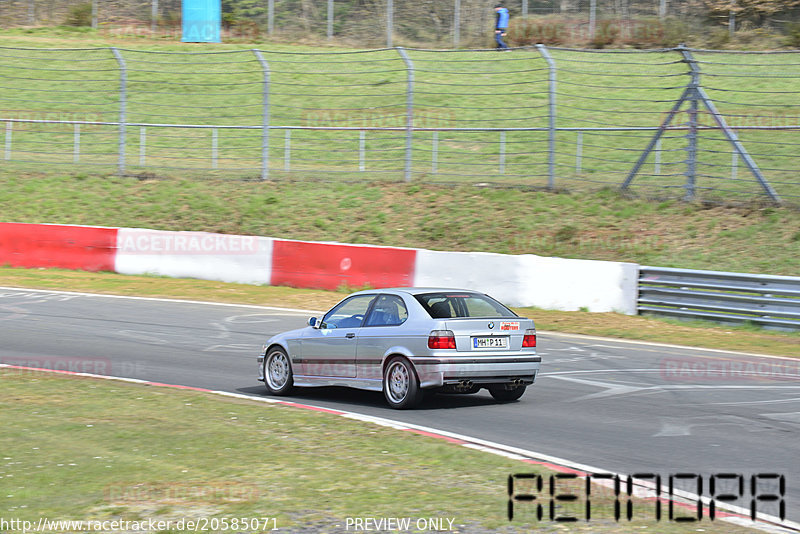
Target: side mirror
313 323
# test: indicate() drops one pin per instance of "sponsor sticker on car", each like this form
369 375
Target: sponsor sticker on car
509 325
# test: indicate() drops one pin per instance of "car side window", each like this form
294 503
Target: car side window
389 310
349 313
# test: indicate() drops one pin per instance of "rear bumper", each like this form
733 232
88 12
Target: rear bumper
484 369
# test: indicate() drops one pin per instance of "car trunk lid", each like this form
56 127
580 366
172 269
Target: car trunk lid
489 334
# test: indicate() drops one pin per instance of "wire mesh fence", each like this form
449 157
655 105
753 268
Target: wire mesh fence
377 22
55 12
534 117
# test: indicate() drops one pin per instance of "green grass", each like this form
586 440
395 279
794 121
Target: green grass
83 449
600 226
76 448
364 89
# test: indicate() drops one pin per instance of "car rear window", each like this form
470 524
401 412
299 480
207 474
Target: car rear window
445 305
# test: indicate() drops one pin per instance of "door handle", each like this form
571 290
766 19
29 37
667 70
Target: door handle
350 335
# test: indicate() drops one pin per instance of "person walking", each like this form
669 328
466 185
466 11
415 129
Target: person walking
501 25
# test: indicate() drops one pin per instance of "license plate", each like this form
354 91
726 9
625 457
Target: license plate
489 342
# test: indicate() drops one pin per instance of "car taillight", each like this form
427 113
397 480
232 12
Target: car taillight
530 338
441 339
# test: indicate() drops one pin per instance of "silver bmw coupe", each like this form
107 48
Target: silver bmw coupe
406 342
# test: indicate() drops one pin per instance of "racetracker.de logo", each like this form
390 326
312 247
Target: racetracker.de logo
32 364
693 369
167 243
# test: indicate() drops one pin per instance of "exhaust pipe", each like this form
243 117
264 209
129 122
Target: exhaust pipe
462 386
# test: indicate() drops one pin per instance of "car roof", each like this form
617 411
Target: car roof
417 290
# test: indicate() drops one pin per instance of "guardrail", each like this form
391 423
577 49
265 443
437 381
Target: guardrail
765 300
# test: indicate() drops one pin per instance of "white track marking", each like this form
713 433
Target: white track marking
156 299
665 345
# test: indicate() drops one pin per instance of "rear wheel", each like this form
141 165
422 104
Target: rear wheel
401 385
278 372
506 395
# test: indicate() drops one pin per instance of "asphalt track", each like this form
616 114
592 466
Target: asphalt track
622 407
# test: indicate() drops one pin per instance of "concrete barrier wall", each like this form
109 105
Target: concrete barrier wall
335 265
525 280
528 280
227 258
570 284
87 248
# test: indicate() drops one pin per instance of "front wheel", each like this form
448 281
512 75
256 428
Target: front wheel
278 372
401 385
502 394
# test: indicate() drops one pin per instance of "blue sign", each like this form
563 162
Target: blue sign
201 21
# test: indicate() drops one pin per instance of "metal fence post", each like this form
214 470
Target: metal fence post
409 110
214 148
435 153
694 94
656 139
287 150
330 19
154 17
502 152
9 129
142 146
578 153
362 147
270 16
123 102
76 143
389 22
265 117
94 14
456 23
551 146
691 149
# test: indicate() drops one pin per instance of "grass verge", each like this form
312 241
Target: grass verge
601 226
698 334
92 450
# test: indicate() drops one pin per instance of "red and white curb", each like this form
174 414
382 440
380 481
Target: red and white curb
518 280
642 489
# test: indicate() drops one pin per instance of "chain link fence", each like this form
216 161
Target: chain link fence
667 123
440 23
56 12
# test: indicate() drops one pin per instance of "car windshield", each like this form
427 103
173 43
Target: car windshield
445 305
349 313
